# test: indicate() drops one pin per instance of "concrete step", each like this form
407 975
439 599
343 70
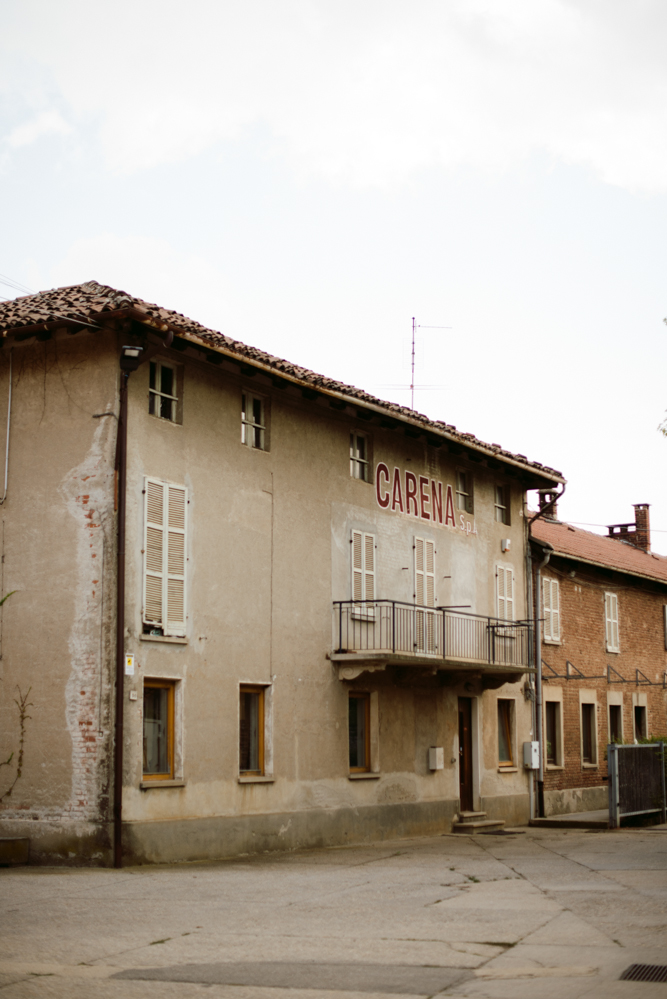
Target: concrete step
479 825
471 816
599 819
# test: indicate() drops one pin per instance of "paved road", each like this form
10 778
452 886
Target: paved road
540 914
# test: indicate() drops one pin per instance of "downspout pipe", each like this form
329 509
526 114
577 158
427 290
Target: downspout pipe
539 715
539 726
130 359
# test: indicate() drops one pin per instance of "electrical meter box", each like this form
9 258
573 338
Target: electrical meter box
531 755
436 758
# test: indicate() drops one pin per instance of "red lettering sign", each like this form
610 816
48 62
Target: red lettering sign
397 495
423 498
449 509
381 472
436 501
411 492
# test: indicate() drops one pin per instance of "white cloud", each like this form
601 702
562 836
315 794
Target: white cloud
181 281
46 123
365 93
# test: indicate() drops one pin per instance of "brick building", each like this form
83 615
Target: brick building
604 658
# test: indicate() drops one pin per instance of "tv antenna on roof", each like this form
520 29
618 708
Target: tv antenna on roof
418 326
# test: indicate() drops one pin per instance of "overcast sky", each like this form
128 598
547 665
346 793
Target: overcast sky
306 176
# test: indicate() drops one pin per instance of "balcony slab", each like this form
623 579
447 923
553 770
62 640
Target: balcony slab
352 664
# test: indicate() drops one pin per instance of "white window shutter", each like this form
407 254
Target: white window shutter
546 608
611 620
369 566
419 572
153 551
500 591
174 617
555 611
357 565
429 573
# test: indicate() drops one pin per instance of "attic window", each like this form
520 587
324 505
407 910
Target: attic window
163 392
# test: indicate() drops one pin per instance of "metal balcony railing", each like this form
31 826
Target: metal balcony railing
399 628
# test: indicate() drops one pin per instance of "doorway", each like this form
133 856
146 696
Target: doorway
465 753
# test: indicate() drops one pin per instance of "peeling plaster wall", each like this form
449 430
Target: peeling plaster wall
56 631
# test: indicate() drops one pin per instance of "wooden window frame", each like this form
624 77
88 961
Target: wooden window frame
465 491
260 690
249 425
593 732
166 626
501 505
170 686
506 706
365 697
614 707
359 467
155 395
553 759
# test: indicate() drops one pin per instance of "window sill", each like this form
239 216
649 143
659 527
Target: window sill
367 775
255 779
167 639
147 785
613 652
551 641
559 766
589 766
508 770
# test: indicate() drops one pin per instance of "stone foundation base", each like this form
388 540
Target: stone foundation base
576 799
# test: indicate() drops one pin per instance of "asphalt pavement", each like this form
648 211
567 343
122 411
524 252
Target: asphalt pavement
539 913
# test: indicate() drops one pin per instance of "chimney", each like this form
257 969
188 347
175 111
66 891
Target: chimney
637 534
642 527
546 496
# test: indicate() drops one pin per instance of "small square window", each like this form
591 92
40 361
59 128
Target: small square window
359 456
588 735
464 492
158 730
502 504
360 732
251 730
162 391
505 738
253 421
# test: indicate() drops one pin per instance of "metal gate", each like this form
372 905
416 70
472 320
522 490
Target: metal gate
636 781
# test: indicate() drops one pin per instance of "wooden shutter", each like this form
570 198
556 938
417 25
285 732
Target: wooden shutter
424 573
363 566
153 551
551 609
611 620
174 616
505 591
164 556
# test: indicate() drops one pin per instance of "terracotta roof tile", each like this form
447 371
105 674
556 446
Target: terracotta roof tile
85 302
598 550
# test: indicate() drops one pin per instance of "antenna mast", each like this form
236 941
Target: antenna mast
412 375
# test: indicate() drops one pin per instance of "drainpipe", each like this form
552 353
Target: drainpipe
538 682
548 549
130 359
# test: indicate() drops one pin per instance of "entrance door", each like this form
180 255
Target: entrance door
465 753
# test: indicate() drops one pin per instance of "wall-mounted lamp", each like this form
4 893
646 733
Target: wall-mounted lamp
505 544
130 357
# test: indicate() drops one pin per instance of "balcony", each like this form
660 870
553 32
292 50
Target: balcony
373 634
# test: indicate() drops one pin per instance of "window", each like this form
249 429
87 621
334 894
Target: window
251 730
588 735
552 718
165 507
640 722
253 421
360 732
363 568
505 592
464 492
424 595
615 723
158 741
502 504
359 456
551 610
505 739
611 622
162 392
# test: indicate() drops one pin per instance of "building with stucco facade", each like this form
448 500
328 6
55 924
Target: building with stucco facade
256 608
